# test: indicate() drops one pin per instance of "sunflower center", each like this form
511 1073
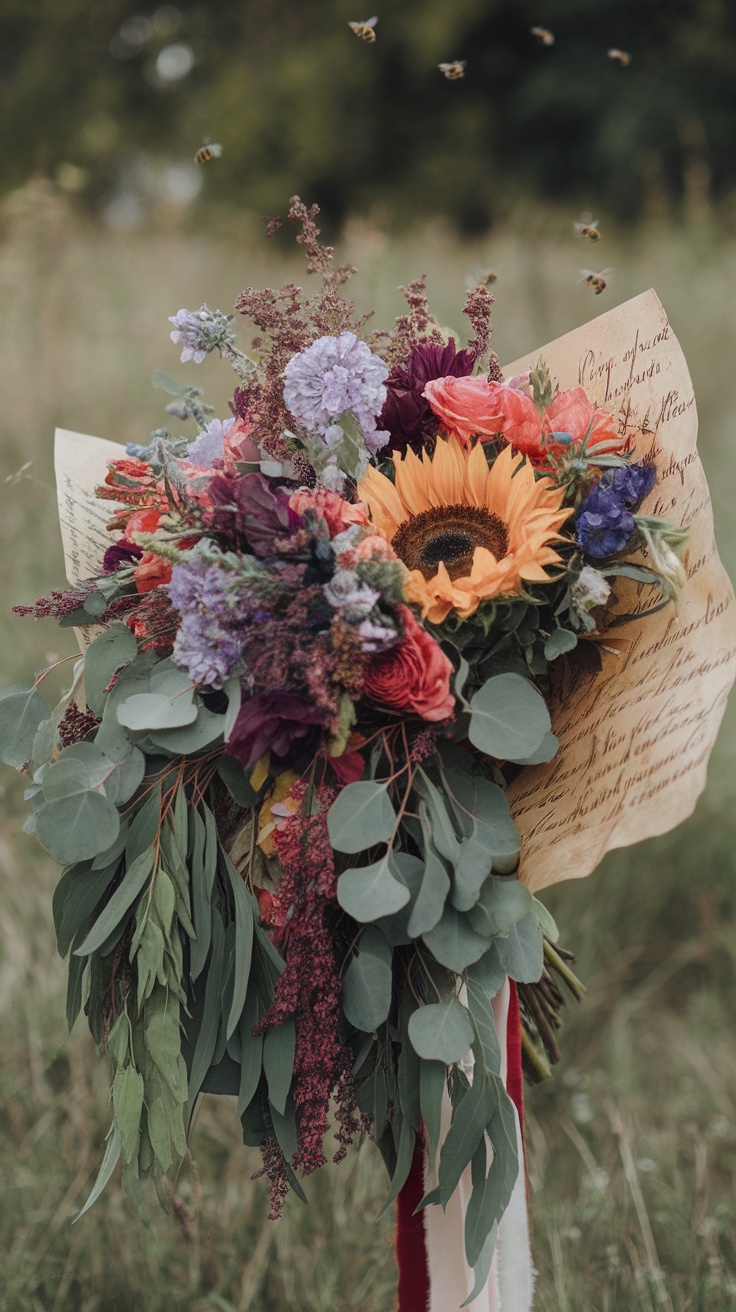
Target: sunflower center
449 535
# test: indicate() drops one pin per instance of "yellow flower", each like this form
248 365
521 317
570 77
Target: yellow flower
466 532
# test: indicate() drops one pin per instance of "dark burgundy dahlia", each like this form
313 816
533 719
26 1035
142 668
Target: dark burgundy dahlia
406 413
282 723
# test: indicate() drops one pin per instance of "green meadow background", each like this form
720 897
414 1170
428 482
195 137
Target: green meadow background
103 234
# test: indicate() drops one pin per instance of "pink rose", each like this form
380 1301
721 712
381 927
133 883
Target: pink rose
415 676
330 506
571 412
475 407
238 446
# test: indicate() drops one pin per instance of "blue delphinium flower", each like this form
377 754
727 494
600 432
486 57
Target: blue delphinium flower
605 524
335 375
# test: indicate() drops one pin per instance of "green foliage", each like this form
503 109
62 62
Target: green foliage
361 816
509 718
441 1032
22 711
366 988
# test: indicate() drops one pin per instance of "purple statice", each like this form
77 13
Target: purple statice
406 412
206 645
209 446
200 331
335 375
206 650
281 723
605 524
249 511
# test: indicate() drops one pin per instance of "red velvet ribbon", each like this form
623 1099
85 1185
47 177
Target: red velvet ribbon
411 1248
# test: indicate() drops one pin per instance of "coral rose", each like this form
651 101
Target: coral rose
571 412
475 407
151 572
415 676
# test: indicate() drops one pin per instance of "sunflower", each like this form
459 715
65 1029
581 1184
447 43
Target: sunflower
466 532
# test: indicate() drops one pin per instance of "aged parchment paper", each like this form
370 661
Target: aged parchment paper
635 739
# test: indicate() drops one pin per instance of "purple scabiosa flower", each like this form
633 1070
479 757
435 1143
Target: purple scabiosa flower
119 554
249 509
209 446
200 331
335 375
282 723
407 413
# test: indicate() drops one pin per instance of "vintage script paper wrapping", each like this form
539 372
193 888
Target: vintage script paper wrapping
635 739
80 464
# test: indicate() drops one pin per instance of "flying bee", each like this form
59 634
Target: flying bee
207 151
543 35
480 278
588 227
621 56
596 281
454 69
366 29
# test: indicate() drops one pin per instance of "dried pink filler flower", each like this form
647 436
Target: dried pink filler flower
287 324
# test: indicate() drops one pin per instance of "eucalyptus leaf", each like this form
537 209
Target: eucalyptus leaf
82 891
522 951
409 1065
432 1088
279 1045
114 648
22 711
430 900
559 642
509 718
244 925
465 1133
109 1162
127 1101
366 986
130 886
546 920
404 1142
361 816
210 1023
408 870
251 1051
545 752
148 711
370 892
441 1031
503 901
453 942
78 826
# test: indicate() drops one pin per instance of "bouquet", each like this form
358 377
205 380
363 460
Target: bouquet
319 650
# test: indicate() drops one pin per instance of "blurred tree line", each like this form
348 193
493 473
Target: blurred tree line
89 87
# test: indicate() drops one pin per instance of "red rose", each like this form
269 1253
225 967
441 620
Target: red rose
413 677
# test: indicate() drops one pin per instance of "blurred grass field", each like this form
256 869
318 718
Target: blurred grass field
632 1146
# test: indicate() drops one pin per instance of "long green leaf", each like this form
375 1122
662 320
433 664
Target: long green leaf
120 903
244 927
279 1045
207 1036
466 1130
404 1155
109 1162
